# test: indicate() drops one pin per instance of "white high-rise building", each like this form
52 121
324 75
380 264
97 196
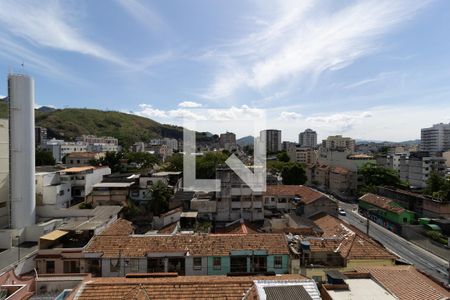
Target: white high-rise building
308 138
21 132
436 138
338 143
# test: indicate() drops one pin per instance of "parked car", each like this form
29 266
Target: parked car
341 211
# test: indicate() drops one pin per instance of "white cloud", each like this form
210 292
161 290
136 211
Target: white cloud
304 40
290 115
146 110
340 122
189 104
380 77
49 25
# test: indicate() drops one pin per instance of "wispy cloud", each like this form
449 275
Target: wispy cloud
290 115
339 122
380 77
143 13
304 40
50 25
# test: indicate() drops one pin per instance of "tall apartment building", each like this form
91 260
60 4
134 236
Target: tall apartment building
436 138
236 200
273 139
227 141
92 139
40 135
416 167
307 138
338 142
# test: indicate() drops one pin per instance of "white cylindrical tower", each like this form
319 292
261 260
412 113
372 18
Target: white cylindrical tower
22 169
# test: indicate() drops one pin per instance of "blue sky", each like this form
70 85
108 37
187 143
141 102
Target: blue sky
368 69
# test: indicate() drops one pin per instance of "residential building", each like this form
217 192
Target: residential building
40 135
339 181
344 158
435 138
138 147
287 146
70 147
54 146
110 193
61 250
384 282
83 179
421 205
385 212
92 139
4 173
416 167
308 138
51 190
272 138
304 200
340 246
82 158
171 143
227 141
340 143
172 287
302 154
390 161
189 254
102 147
236 200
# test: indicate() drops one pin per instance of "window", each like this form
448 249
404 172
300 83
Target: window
61 192
71 266
50 266
278 262
197 263
217 263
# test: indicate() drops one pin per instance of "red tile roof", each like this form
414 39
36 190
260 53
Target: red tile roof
382 202
306 194
405 282
177 288
196 244
353 244
340 170
119 227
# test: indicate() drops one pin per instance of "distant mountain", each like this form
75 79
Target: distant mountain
410 142
45 109
246 140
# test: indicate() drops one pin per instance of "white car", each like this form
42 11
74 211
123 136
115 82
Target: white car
342 212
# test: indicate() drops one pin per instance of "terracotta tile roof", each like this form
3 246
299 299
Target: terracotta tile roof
323 245
119 227
183 287
340 170
405 282
78 169
353 244
382 202
168 229
238 228
196 245
306 194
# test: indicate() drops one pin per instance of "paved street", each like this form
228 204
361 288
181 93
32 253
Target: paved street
420 258
10 256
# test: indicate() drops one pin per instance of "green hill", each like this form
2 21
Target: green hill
69 123
72 122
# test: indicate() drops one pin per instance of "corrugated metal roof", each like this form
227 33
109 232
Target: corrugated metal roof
291 292
308 285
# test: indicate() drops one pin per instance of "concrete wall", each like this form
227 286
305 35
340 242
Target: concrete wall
4 173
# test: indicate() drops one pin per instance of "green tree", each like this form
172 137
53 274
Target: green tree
174 163
438 186
206 165
159 194
44 158
293 173
373 175
146 160
111 159
283 156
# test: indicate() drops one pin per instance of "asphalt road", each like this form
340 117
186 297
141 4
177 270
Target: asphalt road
413 254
